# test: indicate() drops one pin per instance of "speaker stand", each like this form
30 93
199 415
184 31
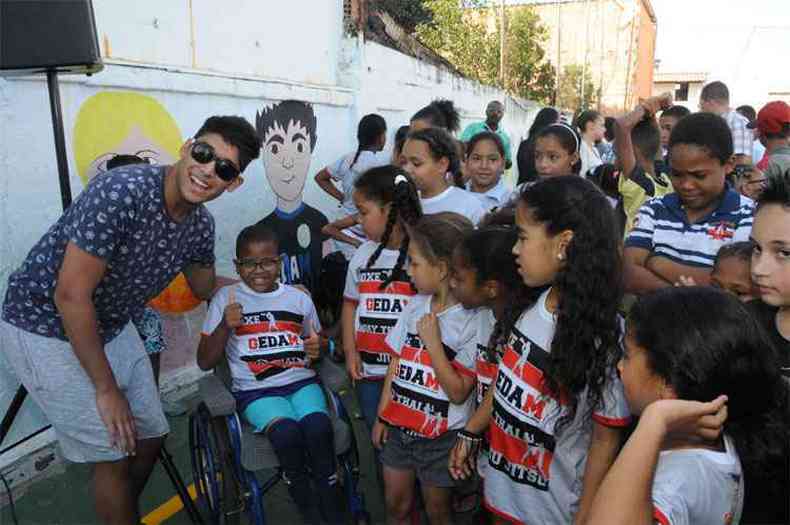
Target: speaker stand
60 140
65 196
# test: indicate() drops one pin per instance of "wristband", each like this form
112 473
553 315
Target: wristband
470 436
471 440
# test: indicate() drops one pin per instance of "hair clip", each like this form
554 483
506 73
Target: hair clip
399 179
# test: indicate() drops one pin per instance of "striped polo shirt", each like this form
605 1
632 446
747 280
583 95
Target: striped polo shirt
662 228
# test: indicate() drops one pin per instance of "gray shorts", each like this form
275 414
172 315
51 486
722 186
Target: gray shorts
56 381
428 458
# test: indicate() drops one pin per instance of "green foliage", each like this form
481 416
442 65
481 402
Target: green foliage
461 34
408 13
570 95
529 73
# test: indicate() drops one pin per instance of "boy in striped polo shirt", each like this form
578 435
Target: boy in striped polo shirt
678 235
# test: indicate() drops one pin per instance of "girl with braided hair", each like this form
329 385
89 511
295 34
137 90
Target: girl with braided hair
431 155
377 287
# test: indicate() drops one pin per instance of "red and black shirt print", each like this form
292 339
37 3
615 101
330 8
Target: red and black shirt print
418 403
377 309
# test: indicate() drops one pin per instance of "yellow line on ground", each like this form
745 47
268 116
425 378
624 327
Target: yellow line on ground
168 508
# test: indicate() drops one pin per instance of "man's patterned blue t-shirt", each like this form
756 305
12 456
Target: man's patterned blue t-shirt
121 218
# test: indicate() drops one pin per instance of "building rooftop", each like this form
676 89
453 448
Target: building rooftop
679 76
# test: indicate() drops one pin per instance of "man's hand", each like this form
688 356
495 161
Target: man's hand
117 417
233 311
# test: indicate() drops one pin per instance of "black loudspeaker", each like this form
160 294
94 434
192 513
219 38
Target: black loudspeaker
37 36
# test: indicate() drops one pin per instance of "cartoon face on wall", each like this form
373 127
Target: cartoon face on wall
113 123
287 131
122 127
288 134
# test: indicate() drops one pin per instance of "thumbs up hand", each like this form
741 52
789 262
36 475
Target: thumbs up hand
233 311
312 344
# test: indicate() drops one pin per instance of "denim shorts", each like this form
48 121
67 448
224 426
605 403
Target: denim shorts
305 401
428 458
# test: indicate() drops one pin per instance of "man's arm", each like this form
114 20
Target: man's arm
638 278
78 278
202 279
672 271
743 142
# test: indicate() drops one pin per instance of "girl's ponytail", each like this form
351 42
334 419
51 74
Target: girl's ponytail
370 128
406 207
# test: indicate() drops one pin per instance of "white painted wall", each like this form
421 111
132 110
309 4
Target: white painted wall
233 59
295 40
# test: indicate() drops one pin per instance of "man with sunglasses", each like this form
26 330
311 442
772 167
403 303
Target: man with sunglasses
65 320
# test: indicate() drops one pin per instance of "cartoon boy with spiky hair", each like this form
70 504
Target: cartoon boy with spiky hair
288 133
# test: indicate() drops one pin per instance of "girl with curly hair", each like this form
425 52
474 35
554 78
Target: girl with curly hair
556 410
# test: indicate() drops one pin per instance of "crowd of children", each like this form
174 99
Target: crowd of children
517 338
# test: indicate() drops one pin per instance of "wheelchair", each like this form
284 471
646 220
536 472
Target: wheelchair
226 454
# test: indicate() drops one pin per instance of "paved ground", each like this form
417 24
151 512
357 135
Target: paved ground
66 498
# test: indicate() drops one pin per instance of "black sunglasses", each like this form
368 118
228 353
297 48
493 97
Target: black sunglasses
204 153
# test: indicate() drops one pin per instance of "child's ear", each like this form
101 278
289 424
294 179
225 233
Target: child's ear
445 163
491 289
564 238
575 158
667 391
444 269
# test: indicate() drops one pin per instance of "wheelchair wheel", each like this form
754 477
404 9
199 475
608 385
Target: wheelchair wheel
350 471
216 485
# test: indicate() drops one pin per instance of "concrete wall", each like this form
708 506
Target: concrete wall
177 54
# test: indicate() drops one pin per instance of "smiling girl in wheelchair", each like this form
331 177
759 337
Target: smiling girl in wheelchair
267 331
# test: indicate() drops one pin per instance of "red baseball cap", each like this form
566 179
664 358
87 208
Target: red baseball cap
772 118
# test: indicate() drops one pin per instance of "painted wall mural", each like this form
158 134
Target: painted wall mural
288 133
111 124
